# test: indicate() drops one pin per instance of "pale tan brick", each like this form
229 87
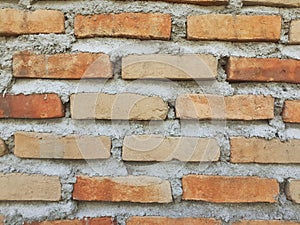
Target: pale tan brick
280 3
25 187
49 146
238 107
293 190
258 150
3 148
295 31
159 148
123 106
175 67
291 111
155 220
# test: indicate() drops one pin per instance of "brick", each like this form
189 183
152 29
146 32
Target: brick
154 220
3 148
49 146
265 222
34 106
62 66
200 2
279 3
23 187
128 25
220 189
125 106
291 111
123 189
85 221
16 22
2 220
293 190
175 67
233 28
295 31
263 70
257 150
159 148
238 107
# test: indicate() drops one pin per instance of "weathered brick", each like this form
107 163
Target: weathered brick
123 189
130 25
85 221
35 106
154 220
280 3
200 2
175 67
291 111
62 66
159 148
295 31
265 222
233 28
221 189
46 145
125 106
263 70
293 190
2 219
3 148
247 150
24 187
16 22
238 107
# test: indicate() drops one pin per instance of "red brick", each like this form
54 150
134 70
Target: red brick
147 220
25 187
291 111
50 146
238 107
16 22
258 150
129 25
62 66
227 27
265 222
263 70
122 189
85 221
220 189
35 106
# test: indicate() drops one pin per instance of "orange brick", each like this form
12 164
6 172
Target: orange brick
122 189
124 106
49 146
147 220
263 70
86 221
295 31
62 66
35 106
175 67
220 189
2 219
279 3
16 22
291 111
238 107
247 150
293 190
233 28
159 148
265 222
129 25
25 187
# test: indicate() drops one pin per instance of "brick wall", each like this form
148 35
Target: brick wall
150 112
